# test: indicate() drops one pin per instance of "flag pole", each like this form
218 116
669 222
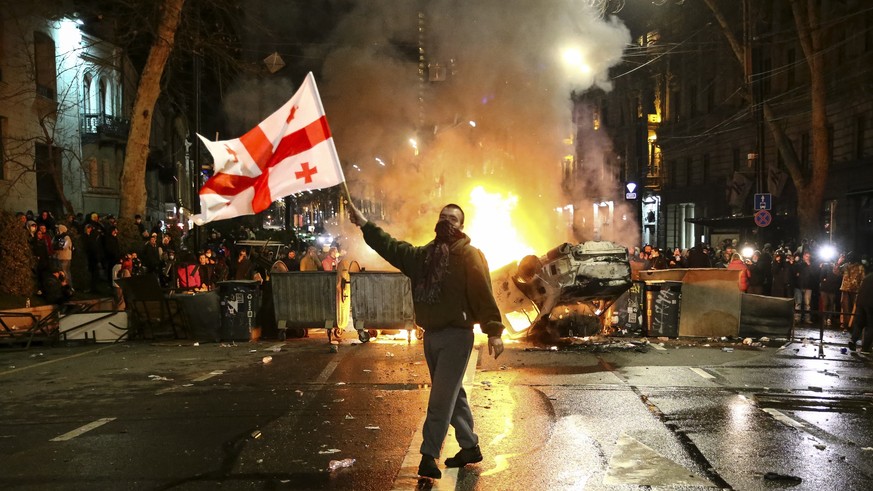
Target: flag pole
348 194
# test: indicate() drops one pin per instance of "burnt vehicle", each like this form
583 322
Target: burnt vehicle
564 292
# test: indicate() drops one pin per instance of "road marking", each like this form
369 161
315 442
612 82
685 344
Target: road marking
208 375
703 373
408 475
782 417
658 347
636 463
82 429
96 350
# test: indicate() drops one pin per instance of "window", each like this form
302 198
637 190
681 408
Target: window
710 97
44 61
705 171
677 106
860 130
736 158
671 173
688 166
86 93
830 133
101 101
692 100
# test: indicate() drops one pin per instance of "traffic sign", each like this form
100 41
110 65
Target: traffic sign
763 201
763 218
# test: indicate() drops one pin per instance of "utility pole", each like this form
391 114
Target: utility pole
753 69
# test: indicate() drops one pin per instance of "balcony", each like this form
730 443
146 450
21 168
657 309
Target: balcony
102 128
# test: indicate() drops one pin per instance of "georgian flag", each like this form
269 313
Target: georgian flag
289 152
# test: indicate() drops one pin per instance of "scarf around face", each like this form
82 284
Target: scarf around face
436 263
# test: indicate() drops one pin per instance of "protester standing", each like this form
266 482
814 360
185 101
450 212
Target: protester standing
852 272
451 292
310 261
64 253
861 322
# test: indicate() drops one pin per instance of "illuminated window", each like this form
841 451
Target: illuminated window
86 93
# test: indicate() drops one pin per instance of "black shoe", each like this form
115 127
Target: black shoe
464 457
852 345
428 468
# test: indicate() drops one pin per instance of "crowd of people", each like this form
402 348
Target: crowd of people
161 254
822 282
824 287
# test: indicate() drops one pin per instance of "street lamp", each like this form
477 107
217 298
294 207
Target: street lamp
574 59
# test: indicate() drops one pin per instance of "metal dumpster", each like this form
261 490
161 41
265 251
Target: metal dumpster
305 300
381 300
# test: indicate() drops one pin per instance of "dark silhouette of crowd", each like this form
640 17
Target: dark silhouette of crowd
92 242
823 281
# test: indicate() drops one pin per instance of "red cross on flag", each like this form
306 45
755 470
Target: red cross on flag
289 152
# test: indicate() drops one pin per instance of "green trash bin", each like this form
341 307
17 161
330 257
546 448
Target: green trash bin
240 300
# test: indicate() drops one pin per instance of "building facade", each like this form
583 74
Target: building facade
687 123
65 101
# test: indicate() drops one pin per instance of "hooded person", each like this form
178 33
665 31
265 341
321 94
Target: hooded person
451 292
63 246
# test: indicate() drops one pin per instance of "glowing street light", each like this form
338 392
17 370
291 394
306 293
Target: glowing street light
574 59
381 162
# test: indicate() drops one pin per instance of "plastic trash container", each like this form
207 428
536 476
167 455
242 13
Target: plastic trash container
629 311
201 313
239 307
663 299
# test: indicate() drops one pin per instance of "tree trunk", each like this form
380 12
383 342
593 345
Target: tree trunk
807 17
809 185
133 189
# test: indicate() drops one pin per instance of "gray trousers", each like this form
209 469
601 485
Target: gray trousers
447 352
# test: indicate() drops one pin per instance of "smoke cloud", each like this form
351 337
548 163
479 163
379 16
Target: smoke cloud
509 66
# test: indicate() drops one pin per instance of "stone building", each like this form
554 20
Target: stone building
686 134
65 101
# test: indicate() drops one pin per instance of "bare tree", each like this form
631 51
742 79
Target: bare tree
810 184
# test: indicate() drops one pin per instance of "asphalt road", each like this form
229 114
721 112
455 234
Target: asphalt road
272 415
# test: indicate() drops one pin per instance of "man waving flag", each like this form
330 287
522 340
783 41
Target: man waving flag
289 152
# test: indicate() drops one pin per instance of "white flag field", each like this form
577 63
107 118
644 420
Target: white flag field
289 152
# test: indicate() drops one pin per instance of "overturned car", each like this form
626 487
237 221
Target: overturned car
564 292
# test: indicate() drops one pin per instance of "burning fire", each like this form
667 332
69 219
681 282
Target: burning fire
491 228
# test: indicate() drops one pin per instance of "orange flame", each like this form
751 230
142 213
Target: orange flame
490 227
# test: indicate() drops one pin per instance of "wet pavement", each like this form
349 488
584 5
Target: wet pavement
597 414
